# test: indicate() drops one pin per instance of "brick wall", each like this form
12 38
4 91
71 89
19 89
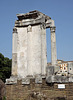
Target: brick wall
42 91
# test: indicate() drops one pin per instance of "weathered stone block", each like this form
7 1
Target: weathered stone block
38 79
11 80
61 79
70 68
50 70
26 81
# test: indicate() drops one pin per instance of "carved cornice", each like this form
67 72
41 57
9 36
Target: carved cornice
27 22
31 18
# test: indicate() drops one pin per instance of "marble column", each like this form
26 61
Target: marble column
43 49
34 50
53 46
14 52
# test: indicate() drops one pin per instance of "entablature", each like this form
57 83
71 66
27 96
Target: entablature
32 18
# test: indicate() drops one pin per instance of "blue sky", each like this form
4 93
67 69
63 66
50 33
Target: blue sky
59 10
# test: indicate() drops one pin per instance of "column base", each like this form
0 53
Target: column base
26 80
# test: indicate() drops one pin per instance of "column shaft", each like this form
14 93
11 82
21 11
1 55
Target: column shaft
53 46
43 50
14 53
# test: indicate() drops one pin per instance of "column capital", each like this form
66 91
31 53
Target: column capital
43 25
52 29
29 28
14 30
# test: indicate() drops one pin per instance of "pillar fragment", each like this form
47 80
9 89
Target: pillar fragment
34 50
43 49
14 53
53 46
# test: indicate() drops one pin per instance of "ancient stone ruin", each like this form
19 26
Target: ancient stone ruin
29 58
30 72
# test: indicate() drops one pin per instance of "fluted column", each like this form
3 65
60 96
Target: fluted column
53 46
14 52
43 48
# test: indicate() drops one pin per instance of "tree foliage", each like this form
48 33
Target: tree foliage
5 67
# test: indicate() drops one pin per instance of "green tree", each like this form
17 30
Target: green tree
5 67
